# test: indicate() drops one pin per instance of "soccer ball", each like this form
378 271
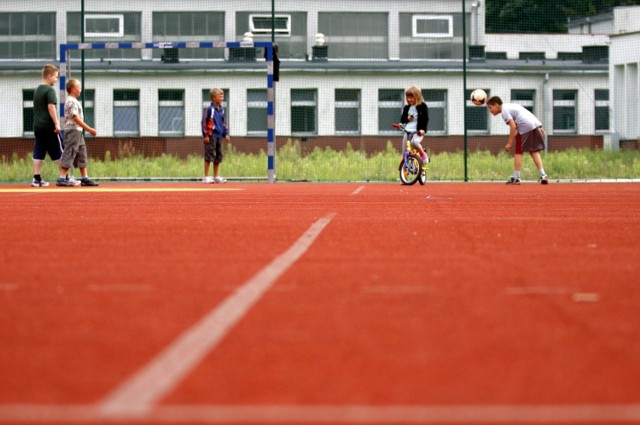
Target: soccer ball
478 97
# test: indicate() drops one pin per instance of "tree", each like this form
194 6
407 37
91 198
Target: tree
543 16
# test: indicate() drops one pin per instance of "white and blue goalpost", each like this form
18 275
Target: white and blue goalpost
65 73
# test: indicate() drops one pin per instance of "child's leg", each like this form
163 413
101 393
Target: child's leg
206 168
216 167
517 165
423 154
537 159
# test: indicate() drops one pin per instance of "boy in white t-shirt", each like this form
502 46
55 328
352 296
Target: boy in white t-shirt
75 148
521 121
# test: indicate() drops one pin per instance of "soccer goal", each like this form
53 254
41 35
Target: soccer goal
170 120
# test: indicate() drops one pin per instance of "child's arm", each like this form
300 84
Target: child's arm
78 121
512 135
53 113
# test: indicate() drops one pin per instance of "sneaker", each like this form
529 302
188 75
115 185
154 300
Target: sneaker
220 180
63 182
88 182
514 180
41 183
207 180
73 180
544 179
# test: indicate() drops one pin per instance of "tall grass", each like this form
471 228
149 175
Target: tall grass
346 165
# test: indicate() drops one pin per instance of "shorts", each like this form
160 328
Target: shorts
518 144
415 138
213 150
75 150
533 141
47 142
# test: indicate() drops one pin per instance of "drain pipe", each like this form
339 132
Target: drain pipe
545 83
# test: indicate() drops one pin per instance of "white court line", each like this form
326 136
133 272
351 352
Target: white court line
136 397
358 190
361 414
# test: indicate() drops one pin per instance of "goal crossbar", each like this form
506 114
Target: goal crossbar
65 73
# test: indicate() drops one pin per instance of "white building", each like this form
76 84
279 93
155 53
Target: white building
350 89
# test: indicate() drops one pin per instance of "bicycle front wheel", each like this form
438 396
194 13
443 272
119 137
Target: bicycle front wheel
410 170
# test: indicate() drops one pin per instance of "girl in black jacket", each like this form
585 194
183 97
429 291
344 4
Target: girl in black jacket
415 117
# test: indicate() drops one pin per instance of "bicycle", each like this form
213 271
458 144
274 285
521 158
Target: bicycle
412 168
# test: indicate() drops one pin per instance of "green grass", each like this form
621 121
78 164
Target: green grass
347 165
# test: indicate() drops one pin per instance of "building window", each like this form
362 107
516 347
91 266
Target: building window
104 26
88 109
189 26
27 112
206 101
171 113
564 111
525 98
261 24
27 35
531 56
303 112
390 104
433 36
126 113
352 35
347 111
601 112
108 28
477 116
290 31
257 112
430 26
436 101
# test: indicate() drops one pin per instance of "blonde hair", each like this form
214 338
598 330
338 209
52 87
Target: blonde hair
416 93
48 70
214 92
71 84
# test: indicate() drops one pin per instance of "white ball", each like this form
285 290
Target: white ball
478 97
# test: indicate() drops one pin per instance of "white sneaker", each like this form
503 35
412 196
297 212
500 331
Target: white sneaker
73 180
41 183
207 180
220 179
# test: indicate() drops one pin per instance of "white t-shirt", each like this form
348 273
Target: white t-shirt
72 107
525 120
412 126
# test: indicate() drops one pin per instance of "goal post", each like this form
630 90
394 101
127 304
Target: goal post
65 74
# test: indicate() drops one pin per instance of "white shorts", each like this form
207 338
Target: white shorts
415 138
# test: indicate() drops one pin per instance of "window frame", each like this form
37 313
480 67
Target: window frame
26 106
348 104
414 26
528 104
126 104
390 105
172 104
305 104
257 105
437 104
601 104
286 32
471 107
118 16
564 103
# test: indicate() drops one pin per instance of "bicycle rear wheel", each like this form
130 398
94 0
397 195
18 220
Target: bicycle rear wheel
410 170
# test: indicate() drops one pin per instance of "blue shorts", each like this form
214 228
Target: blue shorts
47 142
